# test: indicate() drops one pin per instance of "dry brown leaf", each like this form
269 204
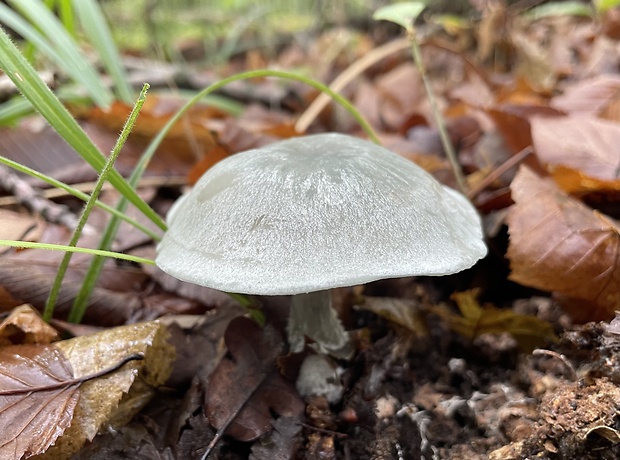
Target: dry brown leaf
188 138
401 95
559 244
25 325
512 121
34 410
577 183
592 96
475 320
247 388
584 143
107 397
15 226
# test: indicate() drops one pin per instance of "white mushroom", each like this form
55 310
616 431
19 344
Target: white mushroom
305 215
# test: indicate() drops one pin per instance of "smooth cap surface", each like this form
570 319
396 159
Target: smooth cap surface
317 212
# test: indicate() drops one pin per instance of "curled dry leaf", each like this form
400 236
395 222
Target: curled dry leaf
25 325
34 410
118 395
584 143
559 244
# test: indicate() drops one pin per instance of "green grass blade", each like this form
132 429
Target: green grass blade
32 36
78 194
45 102
66 47
14 110
93 24
65 12
60 247
76 315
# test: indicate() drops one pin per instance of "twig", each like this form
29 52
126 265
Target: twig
87 187
559 357
501 169
323 430
348 75
26 195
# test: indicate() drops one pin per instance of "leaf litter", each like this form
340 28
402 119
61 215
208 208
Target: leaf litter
442 367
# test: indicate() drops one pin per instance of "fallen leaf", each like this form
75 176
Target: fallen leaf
31 284
281 443
15 226
404 312
577 183
512 121
592 96
24 325
559 244
214 155
476 320
118 395
32 416
188 138
247 388
584 143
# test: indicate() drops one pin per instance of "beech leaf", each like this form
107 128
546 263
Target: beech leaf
114 398
33 415
584 143
559 244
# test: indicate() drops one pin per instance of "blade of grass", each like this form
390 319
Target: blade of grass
78 194
66 47
81 299
76 249
50 304
94 25
34 37
65 12
44 101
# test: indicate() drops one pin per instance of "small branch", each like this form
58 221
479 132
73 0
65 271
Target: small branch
346 77
26 195
543 352
501 169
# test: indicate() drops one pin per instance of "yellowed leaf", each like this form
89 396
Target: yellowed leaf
102 398
406 313
475 320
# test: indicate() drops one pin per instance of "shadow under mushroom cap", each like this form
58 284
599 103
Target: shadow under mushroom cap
317 212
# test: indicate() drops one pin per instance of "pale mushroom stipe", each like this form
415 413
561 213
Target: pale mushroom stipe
305 215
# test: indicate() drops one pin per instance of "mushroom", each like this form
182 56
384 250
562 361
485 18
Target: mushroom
304 215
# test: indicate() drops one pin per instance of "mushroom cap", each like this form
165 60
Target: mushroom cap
317 212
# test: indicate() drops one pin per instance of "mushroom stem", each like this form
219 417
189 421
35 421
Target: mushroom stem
312 316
